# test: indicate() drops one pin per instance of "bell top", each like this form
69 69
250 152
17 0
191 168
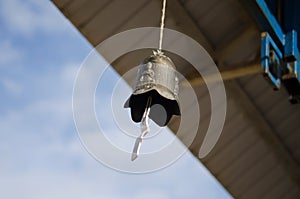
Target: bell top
157 72
159 58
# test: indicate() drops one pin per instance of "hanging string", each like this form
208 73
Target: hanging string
162 24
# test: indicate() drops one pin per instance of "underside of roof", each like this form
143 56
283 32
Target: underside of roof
258 153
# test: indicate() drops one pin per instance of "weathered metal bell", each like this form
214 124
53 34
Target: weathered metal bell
156 80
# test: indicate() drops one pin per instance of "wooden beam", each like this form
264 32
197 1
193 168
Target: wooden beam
266 131
226 75
185 21
231 47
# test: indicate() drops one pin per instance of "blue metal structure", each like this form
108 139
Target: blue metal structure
280 23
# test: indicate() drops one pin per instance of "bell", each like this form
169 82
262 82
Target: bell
156 88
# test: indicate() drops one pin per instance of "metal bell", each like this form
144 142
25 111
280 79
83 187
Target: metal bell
156 88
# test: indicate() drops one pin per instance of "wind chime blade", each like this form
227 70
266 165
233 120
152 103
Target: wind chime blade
136 149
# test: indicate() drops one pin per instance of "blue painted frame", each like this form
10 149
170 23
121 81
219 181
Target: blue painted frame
282 39
266 44
272 21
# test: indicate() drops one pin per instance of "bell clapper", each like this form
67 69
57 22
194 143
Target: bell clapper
144 130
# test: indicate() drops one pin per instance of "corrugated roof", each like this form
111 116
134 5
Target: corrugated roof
258 154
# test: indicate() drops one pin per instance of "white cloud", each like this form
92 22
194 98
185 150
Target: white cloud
12 86
150 194
27 17
9 54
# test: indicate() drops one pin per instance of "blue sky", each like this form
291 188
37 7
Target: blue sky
40 153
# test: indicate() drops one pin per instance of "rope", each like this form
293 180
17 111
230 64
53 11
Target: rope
162 24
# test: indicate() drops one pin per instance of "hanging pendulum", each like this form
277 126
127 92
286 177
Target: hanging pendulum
155 94
144 129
